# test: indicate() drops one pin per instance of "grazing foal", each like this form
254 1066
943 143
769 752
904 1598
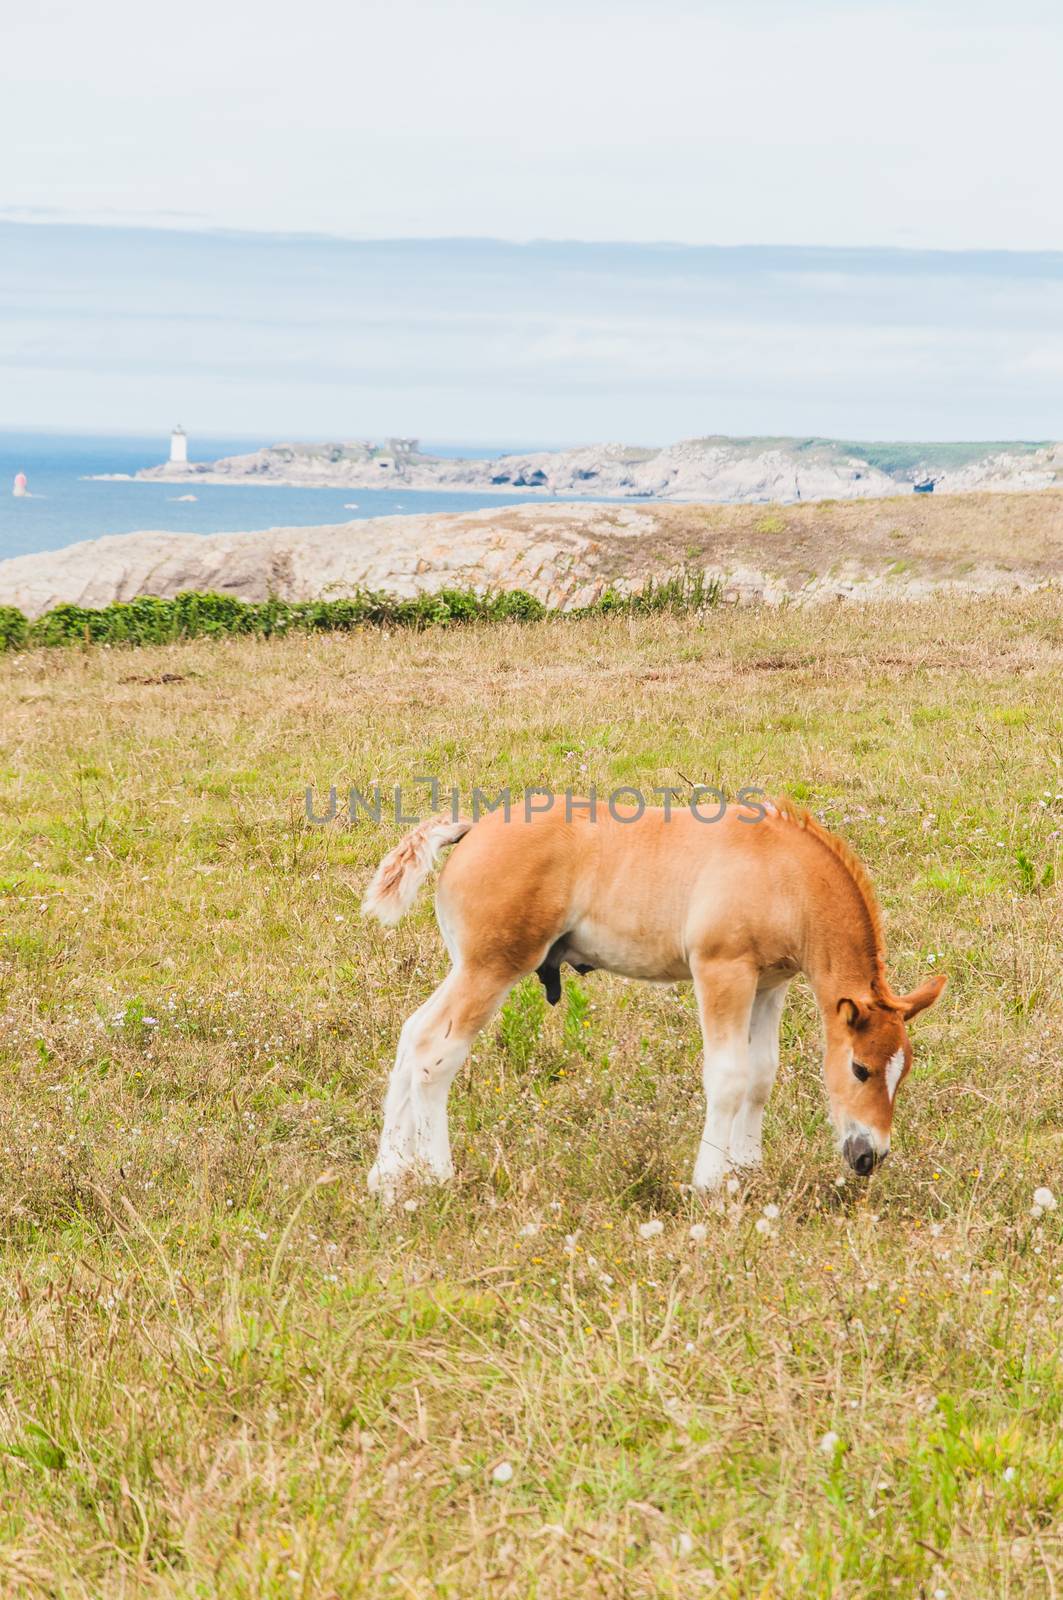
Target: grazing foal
739 906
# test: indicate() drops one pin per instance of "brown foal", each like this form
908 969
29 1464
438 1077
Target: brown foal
738 907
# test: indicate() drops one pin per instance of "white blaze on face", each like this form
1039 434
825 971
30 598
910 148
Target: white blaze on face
894 1068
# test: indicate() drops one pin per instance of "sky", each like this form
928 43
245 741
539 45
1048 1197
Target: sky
491 342
932 124
144 168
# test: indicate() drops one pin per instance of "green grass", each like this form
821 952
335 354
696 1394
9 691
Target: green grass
225 1372
892 457
897 459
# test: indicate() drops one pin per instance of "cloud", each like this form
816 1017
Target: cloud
868 122
485 339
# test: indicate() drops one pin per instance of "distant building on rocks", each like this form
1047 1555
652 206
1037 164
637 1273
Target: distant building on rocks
178 447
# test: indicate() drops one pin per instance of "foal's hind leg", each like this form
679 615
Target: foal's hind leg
745 1147
395 1153
439 1048
433 1045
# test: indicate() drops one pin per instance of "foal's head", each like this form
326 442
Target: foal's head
867 1057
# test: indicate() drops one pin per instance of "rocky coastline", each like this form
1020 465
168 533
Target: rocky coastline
568 555
717 469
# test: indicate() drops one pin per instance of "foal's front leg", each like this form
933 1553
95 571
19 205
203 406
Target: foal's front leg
745 1147
725 991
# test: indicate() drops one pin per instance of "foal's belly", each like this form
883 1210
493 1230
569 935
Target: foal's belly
631 954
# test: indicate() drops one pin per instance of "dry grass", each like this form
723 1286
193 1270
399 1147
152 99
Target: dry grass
931 537
225 1372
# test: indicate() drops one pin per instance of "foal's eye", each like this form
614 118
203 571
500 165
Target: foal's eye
860 1071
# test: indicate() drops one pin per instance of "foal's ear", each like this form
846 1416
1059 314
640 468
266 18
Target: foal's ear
856 1013
919 999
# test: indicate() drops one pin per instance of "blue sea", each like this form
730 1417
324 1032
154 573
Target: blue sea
63 506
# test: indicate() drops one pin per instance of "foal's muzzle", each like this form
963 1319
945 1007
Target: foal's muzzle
861 1154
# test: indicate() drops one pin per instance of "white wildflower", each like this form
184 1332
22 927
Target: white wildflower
829 1444
502 1473
771 1212
650 1230
1045 1199
698 1232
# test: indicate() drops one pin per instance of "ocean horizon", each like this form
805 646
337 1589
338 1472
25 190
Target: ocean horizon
64 504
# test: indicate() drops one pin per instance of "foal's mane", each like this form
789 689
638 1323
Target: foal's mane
789 811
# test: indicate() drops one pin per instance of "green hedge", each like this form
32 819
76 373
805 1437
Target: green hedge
195 616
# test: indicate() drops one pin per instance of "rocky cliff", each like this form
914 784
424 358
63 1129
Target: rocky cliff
716 469
567 554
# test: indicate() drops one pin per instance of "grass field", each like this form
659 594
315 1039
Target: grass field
225 1372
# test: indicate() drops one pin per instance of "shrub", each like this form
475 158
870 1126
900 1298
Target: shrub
14 629
69 625
190 615
463 605
146 620
330 616
514 605
199 614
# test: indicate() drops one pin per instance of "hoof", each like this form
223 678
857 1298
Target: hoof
387 1181
384 1183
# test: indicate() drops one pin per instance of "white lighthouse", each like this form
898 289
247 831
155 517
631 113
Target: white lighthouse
178 447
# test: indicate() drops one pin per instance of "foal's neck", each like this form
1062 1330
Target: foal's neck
842 956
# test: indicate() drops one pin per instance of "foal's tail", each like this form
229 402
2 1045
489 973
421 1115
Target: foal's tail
397 880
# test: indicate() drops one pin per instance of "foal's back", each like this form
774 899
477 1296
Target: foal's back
628 892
